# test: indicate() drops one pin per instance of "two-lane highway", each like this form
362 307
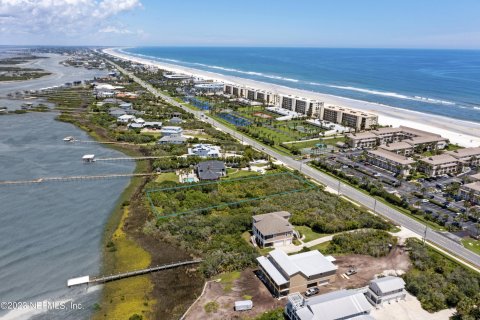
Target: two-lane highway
346 190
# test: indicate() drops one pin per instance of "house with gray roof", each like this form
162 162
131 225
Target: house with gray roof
211 170
173 139
386 289
272 229
116 112
285 274
336 305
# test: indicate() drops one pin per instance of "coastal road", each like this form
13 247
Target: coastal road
345 190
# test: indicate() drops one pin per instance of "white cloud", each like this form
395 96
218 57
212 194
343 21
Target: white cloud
64 17
112 29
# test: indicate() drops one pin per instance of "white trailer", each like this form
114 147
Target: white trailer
243 305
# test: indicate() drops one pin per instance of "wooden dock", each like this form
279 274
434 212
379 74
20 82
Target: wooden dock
103 279
76 178
131 158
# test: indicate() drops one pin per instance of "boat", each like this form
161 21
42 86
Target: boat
69 139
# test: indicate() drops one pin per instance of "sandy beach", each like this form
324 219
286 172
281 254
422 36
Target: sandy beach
460 132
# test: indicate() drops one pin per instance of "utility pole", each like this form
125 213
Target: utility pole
375 206
338 189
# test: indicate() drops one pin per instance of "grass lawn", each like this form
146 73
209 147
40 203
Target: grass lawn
167 176
234 173
308 233
472 245
322 247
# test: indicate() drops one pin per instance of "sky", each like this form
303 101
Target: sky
451 24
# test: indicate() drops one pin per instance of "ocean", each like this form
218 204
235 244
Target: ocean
440 82
51 232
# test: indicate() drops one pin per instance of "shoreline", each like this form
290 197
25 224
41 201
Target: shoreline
461 132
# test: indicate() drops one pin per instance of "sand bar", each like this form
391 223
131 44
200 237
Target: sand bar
465 133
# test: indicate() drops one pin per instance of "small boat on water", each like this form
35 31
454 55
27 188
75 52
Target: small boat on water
69 139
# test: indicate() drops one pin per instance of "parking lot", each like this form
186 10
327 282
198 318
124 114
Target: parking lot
428 195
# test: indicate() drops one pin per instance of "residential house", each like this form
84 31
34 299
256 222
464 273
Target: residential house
204 151
172 139
171 130
336 305
272 229
385 289
126 118
285 274
211 170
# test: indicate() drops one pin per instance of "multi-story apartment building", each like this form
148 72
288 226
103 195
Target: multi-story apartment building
438 165
468 156
470 192
402 148
390 161
418 140
359 120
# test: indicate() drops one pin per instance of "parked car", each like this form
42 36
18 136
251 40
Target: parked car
425 200
312 291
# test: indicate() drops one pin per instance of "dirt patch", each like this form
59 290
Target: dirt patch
367 267
262 115
246 286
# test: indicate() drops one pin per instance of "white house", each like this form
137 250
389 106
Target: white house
386 289
169 130
204 151
126 118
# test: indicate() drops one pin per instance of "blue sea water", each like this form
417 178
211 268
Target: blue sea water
441 82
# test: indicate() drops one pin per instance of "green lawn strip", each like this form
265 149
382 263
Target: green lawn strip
472 245
431 224
322 247
309 233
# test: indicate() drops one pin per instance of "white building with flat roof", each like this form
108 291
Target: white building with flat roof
336 305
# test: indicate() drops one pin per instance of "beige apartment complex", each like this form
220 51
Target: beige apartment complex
357 119
390 161
418 140
439 165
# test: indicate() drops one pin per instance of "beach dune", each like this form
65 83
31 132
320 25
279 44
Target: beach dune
459 132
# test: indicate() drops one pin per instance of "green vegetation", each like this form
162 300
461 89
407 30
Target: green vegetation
202 197
375 243
308 233
218 235
472 245
439 282
211 307
276 314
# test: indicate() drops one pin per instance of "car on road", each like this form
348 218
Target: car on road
312 291
425 200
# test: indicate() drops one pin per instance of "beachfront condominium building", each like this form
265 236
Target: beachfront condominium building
356 119
286 274
272 229
439 165
336 305
419 140
390 161
359 120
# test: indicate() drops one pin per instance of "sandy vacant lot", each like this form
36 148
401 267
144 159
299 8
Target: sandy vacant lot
248 284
